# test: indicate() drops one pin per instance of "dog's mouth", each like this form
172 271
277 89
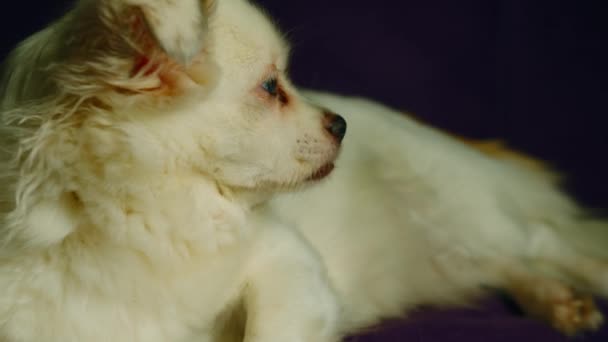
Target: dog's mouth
321 173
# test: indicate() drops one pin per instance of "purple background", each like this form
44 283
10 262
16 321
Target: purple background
532 72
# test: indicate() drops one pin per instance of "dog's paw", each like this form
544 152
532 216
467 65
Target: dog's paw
179 26
558 304
575 314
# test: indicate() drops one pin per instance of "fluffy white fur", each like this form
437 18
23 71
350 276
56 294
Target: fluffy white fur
149 194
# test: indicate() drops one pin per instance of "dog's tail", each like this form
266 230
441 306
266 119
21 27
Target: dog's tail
566 239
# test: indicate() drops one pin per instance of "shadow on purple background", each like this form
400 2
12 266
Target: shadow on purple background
531 72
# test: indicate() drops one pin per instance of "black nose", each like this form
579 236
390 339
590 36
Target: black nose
335 125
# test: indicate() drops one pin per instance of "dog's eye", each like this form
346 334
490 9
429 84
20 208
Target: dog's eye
271 86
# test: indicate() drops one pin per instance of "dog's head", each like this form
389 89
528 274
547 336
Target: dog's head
120 94
156 88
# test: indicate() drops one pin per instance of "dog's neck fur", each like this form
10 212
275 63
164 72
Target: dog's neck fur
181 214
146 214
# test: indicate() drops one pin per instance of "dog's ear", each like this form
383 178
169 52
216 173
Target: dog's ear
167 38
104 48
179 27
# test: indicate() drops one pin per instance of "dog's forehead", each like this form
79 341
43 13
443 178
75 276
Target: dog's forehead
243 35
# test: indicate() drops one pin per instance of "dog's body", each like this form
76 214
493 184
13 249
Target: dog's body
415 206
146 142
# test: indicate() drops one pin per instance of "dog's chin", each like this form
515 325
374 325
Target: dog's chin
316 176
321 173
300 182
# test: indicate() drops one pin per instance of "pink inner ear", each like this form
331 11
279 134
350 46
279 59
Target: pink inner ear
142 62
150 60
143 38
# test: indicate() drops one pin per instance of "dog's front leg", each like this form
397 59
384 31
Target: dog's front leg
288 297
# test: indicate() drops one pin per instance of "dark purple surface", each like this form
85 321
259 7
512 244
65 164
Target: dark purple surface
532 72
492 321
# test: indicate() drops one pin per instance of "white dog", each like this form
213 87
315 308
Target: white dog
150 153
